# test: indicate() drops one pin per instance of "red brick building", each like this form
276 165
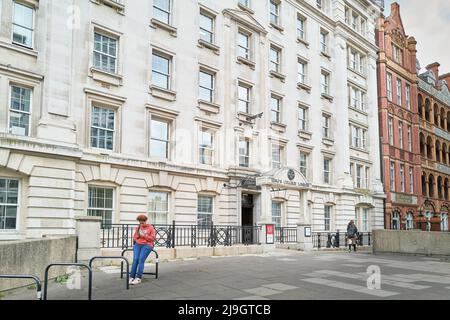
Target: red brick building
399 121
434 138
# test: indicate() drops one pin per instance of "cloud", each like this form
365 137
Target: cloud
428 22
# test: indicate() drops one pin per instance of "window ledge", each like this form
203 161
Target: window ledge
163 93
300 40
154 23
247 62
303 86
106 77
119 7
366 150
244 117
327 141
275 74
206 44
362 75
278 126
245 8
304 134
358 110
327 96
326 55
208 106
18 48
276 26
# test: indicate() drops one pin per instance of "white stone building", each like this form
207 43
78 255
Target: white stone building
236 112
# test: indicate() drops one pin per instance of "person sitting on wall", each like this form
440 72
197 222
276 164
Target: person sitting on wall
144 242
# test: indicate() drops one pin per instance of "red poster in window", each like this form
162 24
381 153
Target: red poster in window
270 233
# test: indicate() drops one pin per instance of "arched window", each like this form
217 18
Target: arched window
442 124
428 215
444 221
429 147
395 224
436 115
427 110
422 144
437 150
424 184
446 189
444 153
439 187
430 186
409 221
420 106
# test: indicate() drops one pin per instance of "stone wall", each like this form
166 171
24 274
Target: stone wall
411 242
32 257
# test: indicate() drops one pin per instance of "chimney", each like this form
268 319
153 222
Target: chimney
434 67
446 78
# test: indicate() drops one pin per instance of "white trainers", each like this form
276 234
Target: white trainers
131 281
137 281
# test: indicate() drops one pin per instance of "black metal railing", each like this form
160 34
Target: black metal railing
285 235
174 235
339 239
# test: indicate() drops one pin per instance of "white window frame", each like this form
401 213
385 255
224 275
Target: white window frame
17 205
91 125
209 147
402 177
399 92
391 130
10 109
244 158
240 48
275 113
303 163
279 213
275 16
392 175
327 217
325 82
199 213
169 13
211 89
103 34
276 163
409 221
326 126
324 37
153 214
409 136
244 100
302 71
327 172
408 96
102 208
166 141
277 62
301 27
411 180
211 32
303 118
389 86
400 134
168 76
20 26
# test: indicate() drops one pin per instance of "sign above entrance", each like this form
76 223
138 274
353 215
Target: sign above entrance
288 178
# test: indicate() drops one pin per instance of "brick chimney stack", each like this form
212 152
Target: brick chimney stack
434 67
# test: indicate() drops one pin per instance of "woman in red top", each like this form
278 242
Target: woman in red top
144 241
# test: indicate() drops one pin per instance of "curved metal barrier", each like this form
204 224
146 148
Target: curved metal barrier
69 265
26 276
147 273
121 269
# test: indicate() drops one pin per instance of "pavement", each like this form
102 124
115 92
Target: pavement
278 275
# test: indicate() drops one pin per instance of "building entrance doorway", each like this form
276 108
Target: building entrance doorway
247 220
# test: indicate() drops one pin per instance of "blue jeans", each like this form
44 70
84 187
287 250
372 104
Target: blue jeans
140 254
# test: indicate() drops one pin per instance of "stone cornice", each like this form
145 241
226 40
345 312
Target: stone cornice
431 90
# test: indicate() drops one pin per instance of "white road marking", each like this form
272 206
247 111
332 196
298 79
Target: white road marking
261 291
279 286
351 287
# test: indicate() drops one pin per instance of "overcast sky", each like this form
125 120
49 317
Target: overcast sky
429 22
